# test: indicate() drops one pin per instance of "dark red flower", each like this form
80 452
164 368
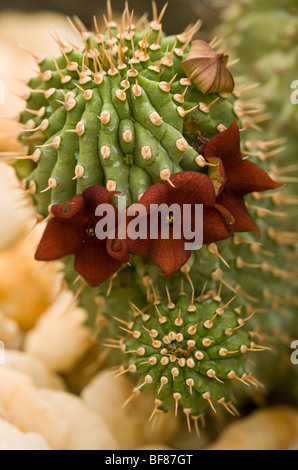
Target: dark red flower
72 231
235 177
187 188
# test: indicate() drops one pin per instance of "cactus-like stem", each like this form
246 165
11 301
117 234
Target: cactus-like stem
158 119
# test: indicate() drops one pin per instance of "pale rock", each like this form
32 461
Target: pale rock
274 428
41 375
27 286
64 420
16 217
87 429
11 438
25 407
10 333
60 336
130 424
33 30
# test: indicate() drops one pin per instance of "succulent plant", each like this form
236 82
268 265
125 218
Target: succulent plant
187 352
157 119
264 37
122 87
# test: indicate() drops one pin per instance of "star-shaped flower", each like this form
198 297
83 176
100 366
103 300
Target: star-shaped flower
235 177
186 187
72 231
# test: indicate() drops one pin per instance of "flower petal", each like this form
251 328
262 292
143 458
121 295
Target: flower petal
192 187
138 246
227 216
118 250
226 146
96 195
59 239
94 263
155 194
169 255
215 227
71 211
243 177
236 205
251 178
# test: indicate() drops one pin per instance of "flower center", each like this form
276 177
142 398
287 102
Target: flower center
170 218
177 350
89 231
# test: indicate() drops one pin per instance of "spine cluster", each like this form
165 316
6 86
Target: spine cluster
188 352
127 110
113 113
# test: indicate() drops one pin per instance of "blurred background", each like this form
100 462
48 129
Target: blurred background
179 13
